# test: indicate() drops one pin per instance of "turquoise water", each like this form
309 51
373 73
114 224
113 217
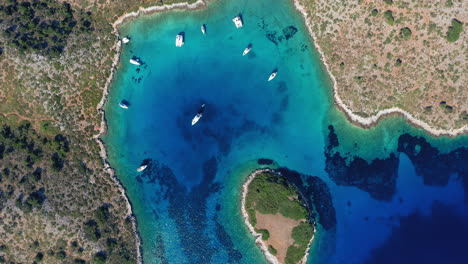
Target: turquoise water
187 201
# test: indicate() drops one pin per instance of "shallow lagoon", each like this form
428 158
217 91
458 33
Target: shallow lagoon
187 201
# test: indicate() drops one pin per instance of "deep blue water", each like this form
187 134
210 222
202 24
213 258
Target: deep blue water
379 195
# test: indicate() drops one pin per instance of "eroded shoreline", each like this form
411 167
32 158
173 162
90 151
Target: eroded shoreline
258 237
100 107
367 122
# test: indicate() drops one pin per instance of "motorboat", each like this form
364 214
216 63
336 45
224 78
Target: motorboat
123 105
247 50
126 40
238 21
142 168
273 75
179 40
198 115
135 62
203 29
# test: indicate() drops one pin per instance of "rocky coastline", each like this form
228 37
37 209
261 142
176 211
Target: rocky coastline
367 122
100 107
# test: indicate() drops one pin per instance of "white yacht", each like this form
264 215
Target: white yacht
273 75
125 40
179 40
142 168
123 105
247 50
238 21
198 115
203 29
135 61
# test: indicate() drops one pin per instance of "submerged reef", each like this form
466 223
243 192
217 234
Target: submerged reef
161 183
435 167
378 177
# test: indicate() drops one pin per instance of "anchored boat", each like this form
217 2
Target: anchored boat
247 50
198 115
142 168
179 40
126 40
135 61
123 105
203 29
238 21
273 75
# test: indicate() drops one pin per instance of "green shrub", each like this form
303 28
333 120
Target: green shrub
252 216
389 17
100 257
110 244
294 254
389 2
375 12
301 234
447 108
272 250
61 255
453 33
269 194
91 230
405 33
398 62
39 257
102 214
264 233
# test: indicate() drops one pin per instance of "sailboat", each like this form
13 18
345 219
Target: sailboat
123 105
247 50
142 168
198 115
135 61
273 75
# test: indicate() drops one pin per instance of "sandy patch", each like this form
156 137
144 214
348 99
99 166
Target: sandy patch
280 229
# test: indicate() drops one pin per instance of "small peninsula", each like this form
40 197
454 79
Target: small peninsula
277 217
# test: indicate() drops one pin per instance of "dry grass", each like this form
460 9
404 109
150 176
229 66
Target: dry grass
377 65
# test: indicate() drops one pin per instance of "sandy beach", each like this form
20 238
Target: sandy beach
372 120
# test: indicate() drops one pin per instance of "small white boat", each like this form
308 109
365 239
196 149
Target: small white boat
142 168
135 62
273 75
198 115
238 21
125 40
179 41
203 29
123 105
247 50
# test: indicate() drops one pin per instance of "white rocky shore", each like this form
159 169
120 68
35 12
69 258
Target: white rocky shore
258 238
372 120
200 4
